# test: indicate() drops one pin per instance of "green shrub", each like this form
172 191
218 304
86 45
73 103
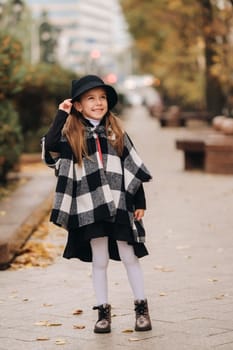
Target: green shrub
11 66
11 77
44 87
10 138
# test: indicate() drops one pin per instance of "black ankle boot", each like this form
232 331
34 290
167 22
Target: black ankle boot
143 322
103 325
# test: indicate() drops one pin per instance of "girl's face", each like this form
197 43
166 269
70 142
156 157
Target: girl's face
93 104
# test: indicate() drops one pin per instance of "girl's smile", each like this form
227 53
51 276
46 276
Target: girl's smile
93 104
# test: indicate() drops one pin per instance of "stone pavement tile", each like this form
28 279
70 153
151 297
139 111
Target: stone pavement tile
194 334
224 346
184 311
212 332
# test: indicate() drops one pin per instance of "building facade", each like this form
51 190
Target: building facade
93 35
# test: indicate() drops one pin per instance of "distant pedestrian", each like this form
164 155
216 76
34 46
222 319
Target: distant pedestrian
99 196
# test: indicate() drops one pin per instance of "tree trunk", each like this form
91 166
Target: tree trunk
214 92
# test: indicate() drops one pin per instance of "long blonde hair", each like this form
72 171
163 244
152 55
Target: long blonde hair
74 130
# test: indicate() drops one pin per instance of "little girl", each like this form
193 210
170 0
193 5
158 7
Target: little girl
99 196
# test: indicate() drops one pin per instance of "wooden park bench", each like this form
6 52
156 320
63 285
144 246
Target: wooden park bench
211 152
183 117
194 153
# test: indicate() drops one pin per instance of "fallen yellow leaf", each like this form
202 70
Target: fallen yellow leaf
42 338
128 331
41 323
140 339
219 297
54 324
48 324
76 326
181 247
134 339
60 342
78 312
163 269
39 251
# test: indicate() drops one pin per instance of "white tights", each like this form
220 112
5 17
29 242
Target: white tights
99 269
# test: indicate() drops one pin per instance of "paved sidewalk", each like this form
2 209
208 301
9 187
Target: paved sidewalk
188 274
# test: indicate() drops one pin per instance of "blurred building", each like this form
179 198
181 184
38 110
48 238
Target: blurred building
93 35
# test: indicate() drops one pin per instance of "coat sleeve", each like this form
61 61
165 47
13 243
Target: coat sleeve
53 136
135 172
140 199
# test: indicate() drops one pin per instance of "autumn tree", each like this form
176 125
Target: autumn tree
11 75
187 45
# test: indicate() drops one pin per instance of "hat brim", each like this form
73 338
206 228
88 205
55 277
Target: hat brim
111 92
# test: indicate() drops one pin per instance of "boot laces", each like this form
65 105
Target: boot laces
103 312
141 309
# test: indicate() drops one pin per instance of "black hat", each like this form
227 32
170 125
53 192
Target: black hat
90 82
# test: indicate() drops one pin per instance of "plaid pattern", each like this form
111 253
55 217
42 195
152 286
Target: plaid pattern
100 189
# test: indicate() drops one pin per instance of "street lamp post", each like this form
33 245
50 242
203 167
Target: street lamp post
48 40
15 20
17 8
10 13
2 12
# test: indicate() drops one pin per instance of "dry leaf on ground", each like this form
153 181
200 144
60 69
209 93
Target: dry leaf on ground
41 323
141 339
76 326
39 251
220 297
163 269
54 324
212 279
77 312
134 339
128 331
42 338
181 247
60 342
48 324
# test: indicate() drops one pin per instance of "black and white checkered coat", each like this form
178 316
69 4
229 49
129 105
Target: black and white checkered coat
99 190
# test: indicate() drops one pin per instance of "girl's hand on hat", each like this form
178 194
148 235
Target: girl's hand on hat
138 214
66 106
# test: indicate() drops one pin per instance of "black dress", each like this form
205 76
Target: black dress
78 240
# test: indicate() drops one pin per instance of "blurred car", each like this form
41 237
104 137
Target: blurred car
152 100
133 98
